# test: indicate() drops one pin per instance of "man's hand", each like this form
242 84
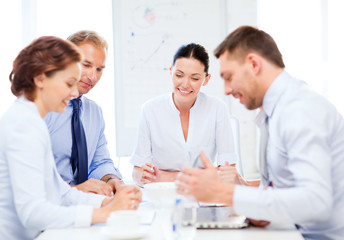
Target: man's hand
205 184
95 186
259 223
229 174
113 181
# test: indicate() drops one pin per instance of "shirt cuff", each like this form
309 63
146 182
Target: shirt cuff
245 201
104 169
83 216
96 200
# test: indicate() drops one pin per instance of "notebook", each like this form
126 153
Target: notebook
215 217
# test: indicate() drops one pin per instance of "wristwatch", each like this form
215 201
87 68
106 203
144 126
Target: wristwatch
113 177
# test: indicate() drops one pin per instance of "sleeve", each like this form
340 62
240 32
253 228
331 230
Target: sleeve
27 161
49 119
305 137
72 196
224 137
143 150
102 164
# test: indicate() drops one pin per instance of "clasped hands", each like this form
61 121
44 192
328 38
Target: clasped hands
204 184
127 197
212 184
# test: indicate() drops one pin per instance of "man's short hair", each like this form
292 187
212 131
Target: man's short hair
246 39
89 37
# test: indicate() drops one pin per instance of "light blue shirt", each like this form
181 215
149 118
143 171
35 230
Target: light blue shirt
33 196
161 140
305 160
60 128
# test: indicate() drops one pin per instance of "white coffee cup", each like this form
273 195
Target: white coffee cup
123 222
162 194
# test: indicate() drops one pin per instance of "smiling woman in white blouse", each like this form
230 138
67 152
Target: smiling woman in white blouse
33 195
175 127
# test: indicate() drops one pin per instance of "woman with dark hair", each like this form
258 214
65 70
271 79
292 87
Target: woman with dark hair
33 195
174 127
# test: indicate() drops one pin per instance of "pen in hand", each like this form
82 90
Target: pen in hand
152 170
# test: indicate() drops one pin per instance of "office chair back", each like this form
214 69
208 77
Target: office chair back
236 135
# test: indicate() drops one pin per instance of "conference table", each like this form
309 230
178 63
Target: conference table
97 232
153 231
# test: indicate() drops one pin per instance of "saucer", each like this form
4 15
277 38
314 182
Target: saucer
128 235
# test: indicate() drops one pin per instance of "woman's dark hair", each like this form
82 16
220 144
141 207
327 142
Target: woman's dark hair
195 51
44 55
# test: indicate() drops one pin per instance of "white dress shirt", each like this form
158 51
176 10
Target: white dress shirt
305 158
33 195
161 140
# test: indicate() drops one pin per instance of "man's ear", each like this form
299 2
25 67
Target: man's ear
39 79
255 62
206 80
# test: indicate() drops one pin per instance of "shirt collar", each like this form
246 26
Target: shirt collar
275 91
197 102
82 98
29 103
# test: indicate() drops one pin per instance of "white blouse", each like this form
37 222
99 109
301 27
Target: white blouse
33 195
160 136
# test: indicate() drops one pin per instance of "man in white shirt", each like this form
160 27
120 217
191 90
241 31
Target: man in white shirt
305 147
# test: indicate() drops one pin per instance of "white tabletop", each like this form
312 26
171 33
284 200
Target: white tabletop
147 214
97 232
152 227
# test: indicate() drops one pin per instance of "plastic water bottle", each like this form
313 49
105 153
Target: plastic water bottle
177 218
183 221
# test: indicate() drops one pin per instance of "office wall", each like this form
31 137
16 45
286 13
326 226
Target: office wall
24 14
244 12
